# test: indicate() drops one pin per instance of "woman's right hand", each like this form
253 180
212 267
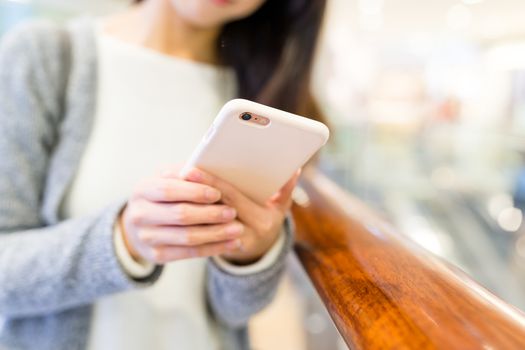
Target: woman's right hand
168 219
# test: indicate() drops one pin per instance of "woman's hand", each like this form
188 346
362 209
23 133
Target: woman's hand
168 219
261 223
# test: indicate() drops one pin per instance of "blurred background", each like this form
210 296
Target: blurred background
427 101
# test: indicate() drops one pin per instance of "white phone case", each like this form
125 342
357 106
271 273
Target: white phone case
257 159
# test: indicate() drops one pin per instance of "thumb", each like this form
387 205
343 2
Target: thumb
283 197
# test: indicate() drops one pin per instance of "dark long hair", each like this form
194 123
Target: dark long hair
272 53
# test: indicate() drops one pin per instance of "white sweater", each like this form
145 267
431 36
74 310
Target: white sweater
152 110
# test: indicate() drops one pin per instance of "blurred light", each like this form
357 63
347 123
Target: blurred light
429 241
315 323
507 56
300 196
420 231
20 1
459 17
376 231
420 44
471 2
371 23
492 28
498 203
370 7
510 219
370 14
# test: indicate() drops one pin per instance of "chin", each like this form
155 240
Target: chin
206 22
214 13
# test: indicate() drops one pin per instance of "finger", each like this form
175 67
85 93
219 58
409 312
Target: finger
248 210
166 254
283 197
190 235
147 213
175 190
171 171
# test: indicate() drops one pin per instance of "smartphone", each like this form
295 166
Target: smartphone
257 148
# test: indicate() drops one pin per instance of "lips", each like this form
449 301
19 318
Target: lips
222 2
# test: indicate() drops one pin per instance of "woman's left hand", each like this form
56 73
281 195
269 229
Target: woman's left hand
262 223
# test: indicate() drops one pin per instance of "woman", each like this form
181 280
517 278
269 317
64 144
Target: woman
87 113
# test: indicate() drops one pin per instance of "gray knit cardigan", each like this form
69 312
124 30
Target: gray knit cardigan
52 270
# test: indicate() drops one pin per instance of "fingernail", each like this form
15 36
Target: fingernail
234 229
195 175
212 194
236 244
228 213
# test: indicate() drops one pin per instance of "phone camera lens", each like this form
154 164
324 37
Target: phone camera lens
246 116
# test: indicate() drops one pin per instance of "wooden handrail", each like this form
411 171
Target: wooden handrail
385 292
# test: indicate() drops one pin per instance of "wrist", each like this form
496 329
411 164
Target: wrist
264 262
248 257
126 239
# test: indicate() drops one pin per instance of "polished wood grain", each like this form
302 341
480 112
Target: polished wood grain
385 292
